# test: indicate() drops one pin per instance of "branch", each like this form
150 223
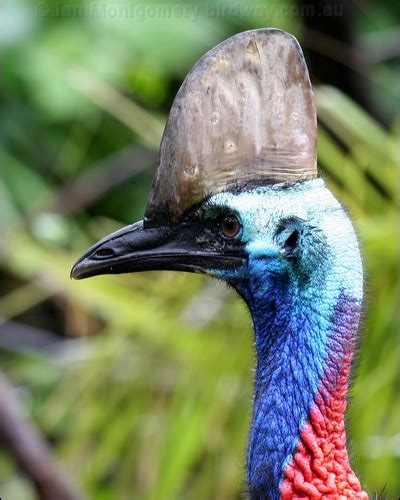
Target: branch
30 451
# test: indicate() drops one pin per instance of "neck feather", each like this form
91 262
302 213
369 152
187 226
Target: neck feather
297 446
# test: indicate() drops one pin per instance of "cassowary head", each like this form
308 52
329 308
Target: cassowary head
242 126
235 192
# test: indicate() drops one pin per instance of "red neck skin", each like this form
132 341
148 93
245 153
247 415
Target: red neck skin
320 465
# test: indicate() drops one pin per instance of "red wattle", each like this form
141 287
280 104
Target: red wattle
320 466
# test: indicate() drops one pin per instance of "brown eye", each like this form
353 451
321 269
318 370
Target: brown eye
230 226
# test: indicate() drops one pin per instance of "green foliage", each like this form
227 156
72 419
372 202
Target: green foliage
150 398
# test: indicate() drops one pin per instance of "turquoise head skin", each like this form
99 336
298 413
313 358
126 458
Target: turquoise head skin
328 252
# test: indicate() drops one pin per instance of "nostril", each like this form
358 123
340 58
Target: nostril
104 253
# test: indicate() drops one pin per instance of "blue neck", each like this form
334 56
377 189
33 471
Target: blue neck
293 331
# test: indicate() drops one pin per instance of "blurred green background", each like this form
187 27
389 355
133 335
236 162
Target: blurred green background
142 384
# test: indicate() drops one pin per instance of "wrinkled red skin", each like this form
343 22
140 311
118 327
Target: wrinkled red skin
320 466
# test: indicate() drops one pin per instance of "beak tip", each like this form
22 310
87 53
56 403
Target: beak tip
76 271
73 275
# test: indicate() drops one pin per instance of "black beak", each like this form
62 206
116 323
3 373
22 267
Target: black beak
138 248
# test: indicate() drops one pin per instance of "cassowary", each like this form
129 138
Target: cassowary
236 196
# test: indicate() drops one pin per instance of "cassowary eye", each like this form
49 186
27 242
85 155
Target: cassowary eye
230 226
